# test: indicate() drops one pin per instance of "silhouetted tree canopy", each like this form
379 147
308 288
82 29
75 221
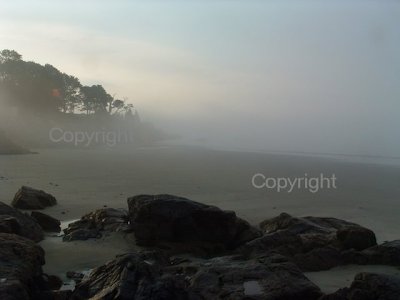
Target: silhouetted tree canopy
45 89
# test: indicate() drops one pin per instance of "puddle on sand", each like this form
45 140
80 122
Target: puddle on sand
252 288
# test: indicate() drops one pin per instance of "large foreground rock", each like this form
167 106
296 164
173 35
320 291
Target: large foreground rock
312 243
369 286
14 221
21 275
149 275
30 198
92 224
167 218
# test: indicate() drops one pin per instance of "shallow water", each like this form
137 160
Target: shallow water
252 288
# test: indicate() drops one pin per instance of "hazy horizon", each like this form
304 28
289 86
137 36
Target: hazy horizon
293 76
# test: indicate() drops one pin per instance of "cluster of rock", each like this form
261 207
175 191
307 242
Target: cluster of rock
265 263
239 261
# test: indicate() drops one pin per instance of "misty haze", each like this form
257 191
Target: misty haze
187 150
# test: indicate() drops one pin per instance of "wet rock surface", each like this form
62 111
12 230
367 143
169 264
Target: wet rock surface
30 198
93 224
166 218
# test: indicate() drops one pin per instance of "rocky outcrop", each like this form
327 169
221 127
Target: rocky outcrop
47 222
149 275
14 221
312 243
159 219
369 286
333 231
91 225
30 198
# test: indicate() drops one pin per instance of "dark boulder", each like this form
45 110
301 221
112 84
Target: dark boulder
47 222
167 218
21 263
30 198
28 226
129 276
356 237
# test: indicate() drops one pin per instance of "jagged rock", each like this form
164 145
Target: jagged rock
82 224
28 226
167 218
312 243
109 219
128 276
305 225
91 224
369 286
47 222
30 198
83 235
21 263
150 275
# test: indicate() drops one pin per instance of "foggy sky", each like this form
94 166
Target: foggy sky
319 76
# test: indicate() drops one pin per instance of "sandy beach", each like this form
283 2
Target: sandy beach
86 180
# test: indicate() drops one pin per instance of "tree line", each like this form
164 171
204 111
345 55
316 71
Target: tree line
44 89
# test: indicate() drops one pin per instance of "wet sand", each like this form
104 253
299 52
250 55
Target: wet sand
85 180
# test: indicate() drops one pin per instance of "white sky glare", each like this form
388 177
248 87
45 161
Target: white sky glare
321 76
